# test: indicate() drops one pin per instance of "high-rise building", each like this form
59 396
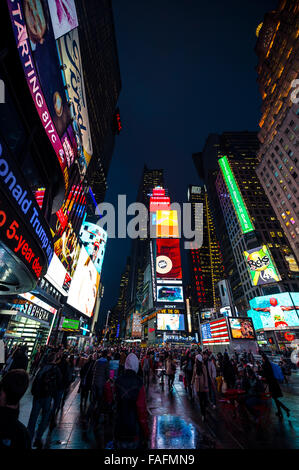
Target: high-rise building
277 49
250 221
117 318
206 265
102 83
140 246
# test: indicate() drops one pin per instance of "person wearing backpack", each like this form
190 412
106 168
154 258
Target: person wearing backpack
44 387
274 387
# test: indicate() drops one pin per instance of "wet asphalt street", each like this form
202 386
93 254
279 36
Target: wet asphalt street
175 423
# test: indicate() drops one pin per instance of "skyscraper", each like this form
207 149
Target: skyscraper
206 266
250 221
277 49
102 83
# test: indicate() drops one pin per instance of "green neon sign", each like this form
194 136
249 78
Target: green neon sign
238 202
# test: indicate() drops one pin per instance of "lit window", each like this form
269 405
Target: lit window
292 220
272 234
279 234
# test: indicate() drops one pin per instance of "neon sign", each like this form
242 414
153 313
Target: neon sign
236 197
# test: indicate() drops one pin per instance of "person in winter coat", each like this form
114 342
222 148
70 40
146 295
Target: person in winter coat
13 434
86 374
201 384
44 388
170 370
131 423
211 372
228 371
274 387
100 377
20 359
63 385
188 366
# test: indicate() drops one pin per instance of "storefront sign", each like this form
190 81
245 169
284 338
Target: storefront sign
28 308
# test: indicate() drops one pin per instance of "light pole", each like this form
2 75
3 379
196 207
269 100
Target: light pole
107 318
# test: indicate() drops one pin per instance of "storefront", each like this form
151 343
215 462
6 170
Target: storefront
27 322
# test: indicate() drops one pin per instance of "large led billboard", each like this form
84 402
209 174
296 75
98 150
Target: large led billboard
170 294
94 239
63 15
241 328
170 322
236 197
214 332
168 259
167 224
70 57
38 54
276 311
84 285
261 266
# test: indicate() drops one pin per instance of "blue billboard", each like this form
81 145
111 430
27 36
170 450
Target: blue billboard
276 311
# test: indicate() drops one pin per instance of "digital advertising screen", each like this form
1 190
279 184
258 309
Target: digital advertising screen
214 332
170 322
167 224
261 266
168 259
84 285
70 56
241 328
63 15
236 196
94 239
70 324
170 294
276 311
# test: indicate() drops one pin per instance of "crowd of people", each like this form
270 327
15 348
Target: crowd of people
114 383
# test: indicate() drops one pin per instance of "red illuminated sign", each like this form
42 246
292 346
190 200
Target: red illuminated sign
168 259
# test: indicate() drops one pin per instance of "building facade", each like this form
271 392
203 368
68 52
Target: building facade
277 49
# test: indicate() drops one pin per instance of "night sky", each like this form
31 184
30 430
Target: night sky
187 70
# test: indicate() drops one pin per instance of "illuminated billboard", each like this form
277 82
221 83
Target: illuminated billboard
136 326
236 197
168 259
170 322
214 332
159 203
167 224
276 311
170 294
241 328
94 240
84 285
58 275
70 324
70 57
63 15
261 266
67 249
38 54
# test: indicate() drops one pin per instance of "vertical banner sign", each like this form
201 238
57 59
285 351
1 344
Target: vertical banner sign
236 197
24 45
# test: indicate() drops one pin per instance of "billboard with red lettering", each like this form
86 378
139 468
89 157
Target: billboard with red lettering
168 259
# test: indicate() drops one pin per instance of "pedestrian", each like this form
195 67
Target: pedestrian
70 376
20 358
100 377
86 380
201 385
228 371
170 370
274 387
146 365
44 387
114 364
13 434
122 361
211 373
131 422
188 366
62 386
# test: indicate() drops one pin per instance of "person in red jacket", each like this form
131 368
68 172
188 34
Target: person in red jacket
131 422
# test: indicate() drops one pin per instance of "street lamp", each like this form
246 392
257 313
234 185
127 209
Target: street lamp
107 318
